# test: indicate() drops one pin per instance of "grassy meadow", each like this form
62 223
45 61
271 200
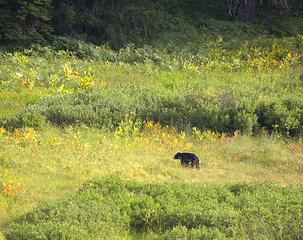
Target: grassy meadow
70 118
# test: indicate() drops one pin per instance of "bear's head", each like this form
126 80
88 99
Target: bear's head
177 156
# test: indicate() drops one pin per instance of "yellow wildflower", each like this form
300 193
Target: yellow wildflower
2 131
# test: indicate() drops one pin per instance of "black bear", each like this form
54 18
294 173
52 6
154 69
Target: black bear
188 159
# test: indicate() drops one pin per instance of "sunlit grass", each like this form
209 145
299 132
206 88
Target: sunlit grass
13 102
55 162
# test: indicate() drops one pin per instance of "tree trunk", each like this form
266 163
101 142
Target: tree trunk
247 11
269 14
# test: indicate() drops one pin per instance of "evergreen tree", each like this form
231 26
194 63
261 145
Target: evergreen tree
24 20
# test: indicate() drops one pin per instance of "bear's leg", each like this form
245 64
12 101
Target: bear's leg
197 164
192 163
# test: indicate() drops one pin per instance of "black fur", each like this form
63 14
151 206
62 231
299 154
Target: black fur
188 159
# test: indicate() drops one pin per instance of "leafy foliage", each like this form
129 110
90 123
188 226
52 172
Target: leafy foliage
180 90
112 208
179 99
225 113
30 120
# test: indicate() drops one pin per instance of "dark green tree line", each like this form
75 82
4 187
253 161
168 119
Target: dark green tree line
120 21
22 20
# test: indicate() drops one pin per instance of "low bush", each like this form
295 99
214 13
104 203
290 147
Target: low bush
111 106
112 208
30 120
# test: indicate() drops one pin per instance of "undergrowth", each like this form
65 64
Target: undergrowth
115 209
177 88
180 108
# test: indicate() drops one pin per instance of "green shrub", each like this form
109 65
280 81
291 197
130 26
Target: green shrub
111 106
31 120
182 232
282 116
112 208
